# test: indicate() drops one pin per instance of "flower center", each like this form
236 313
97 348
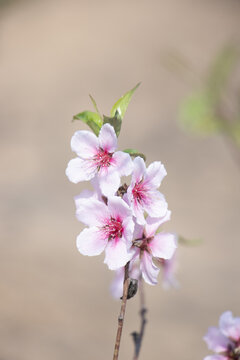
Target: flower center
143 243
139 192
113 229
102 158
233 351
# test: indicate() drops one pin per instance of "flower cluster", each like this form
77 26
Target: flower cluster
224 340
121 220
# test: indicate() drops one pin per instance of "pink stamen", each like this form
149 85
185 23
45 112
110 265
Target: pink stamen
139 192
113 229
102 158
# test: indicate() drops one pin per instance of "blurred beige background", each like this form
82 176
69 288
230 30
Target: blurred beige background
54 302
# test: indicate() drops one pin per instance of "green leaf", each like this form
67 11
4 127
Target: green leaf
197 114
135 153
121 105
95 105
90 118
189 242
115 121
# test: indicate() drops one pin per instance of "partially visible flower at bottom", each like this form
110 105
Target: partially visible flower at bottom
225 340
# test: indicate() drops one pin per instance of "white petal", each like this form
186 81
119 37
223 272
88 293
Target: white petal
128 227
85 194
107 138
80 170
91 241
92 212
149 270
139 169
117 254
138 231
84 144
138 213
152 224
109 183
229 325
169 279
216 341
123 163
155 173
163 245
118 208
156 205
137 209
117 284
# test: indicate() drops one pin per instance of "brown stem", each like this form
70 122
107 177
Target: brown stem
122 312
138 337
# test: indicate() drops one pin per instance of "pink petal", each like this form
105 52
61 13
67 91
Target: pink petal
155 173
169 267
85 194
80 170
109 182
149 270
138 231
117 284
96 186
139 169
229 325
138 212
117 254
84 144
118 208
157 205
91 212
107 138
91 241
152 224
123 163
216 341
163 245
128 227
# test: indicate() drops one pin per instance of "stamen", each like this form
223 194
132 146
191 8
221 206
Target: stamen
102 158
139 192
113 229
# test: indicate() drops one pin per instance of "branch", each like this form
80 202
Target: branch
138 337
122 312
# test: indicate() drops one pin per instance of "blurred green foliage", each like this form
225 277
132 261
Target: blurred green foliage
203 111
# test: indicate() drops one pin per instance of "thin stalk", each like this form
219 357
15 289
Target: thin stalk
138 337
122 312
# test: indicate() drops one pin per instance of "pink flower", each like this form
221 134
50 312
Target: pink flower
142 194
225 340
110 229
97 157
150 245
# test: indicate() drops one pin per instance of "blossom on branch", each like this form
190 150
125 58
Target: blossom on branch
97 157
110 229
224 340
142 194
